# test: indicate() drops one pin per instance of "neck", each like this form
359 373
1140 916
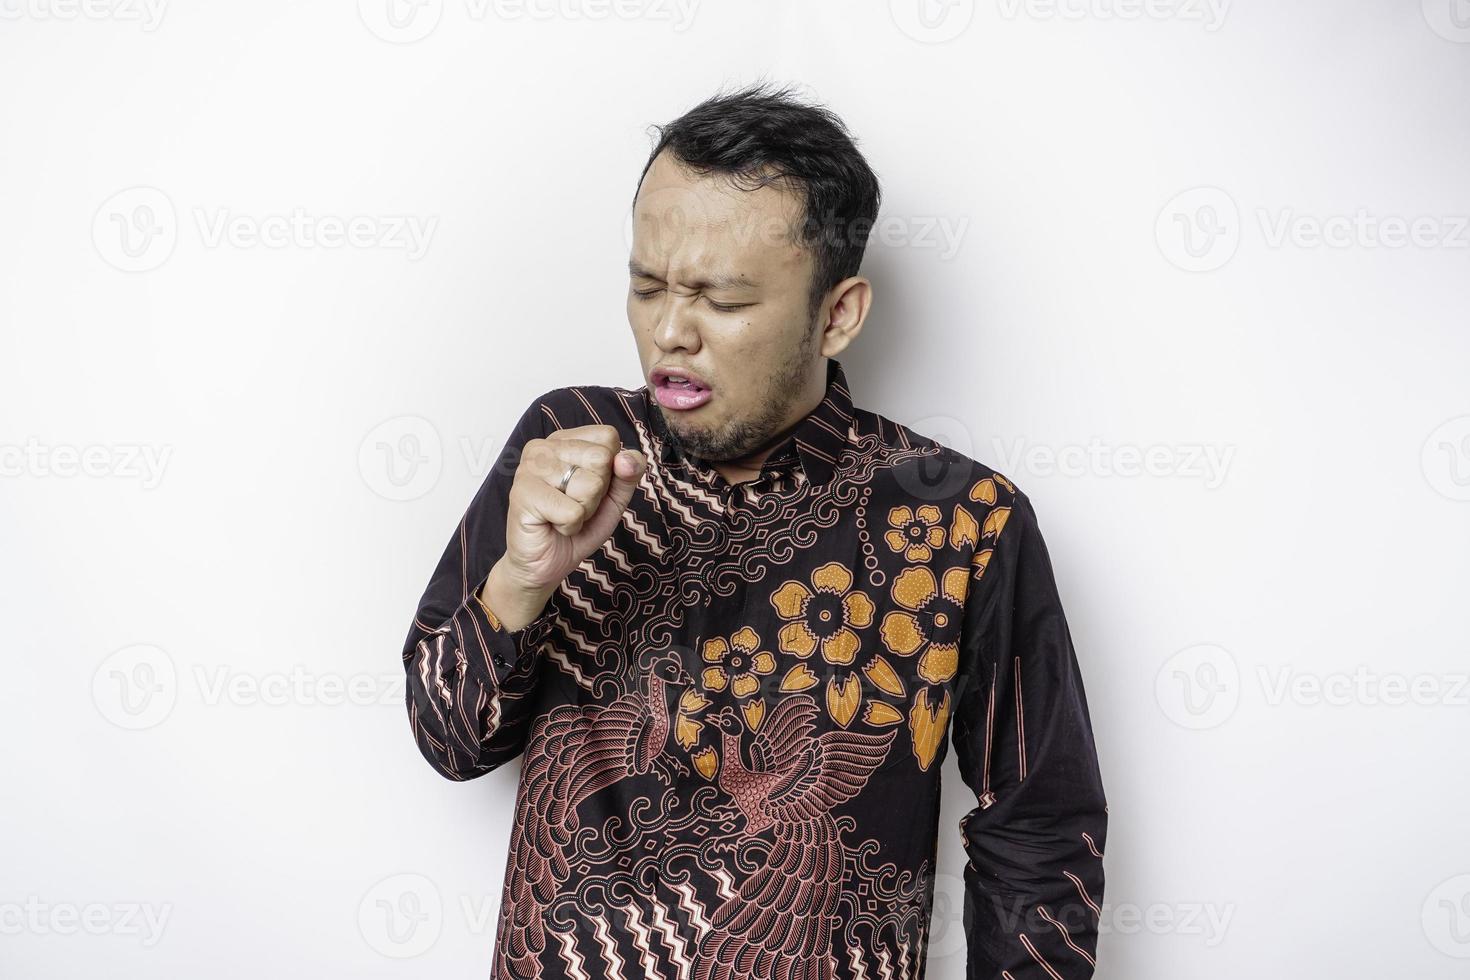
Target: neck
748 467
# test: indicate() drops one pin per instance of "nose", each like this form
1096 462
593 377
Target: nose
677 328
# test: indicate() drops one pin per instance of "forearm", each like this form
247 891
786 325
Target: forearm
472 652
469 686
1023 734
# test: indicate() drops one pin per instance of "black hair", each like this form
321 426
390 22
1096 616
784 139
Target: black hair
764 134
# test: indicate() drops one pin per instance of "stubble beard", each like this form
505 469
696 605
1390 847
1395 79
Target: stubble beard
744 436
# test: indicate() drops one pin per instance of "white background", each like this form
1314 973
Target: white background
1229 240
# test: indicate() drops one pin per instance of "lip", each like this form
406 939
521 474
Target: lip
679 399
660 374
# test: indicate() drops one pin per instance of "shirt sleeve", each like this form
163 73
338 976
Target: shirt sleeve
471 682
1023 741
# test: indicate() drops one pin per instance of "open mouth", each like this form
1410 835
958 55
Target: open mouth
680 393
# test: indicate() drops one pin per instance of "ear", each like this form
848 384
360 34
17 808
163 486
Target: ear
843 314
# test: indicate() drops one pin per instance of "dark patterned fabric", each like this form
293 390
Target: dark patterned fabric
731 718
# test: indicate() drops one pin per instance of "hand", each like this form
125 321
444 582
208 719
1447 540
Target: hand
549 532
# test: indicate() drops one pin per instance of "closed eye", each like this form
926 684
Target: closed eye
720 307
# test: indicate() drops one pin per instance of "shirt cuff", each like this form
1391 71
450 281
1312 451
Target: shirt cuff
493 652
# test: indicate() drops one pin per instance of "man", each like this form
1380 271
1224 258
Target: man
728 616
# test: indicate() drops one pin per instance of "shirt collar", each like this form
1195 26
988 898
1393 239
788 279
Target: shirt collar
815 443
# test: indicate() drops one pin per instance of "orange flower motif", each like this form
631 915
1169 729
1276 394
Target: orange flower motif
915 534
687 727
736 663
824 616
707 761
926 724
930 619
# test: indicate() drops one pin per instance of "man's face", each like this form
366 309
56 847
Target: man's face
719 287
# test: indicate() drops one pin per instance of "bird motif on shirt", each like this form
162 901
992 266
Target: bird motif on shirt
574 752
779 923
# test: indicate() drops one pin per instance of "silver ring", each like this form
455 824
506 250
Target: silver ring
566 478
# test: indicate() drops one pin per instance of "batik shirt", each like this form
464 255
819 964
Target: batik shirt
731 717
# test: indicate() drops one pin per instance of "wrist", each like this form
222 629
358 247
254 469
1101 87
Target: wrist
513 604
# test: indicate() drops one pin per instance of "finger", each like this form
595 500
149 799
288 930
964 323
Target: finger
586 487
602 435
627 473
543 503
628 469
550 461
546 456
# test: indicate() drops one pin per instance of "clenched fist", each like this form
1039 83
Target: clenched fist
549 531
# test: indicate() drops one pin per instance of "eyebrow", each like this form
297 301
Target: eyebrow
736 281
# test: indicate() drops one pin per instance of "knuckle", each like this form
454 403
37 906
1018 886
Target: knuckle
530 452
